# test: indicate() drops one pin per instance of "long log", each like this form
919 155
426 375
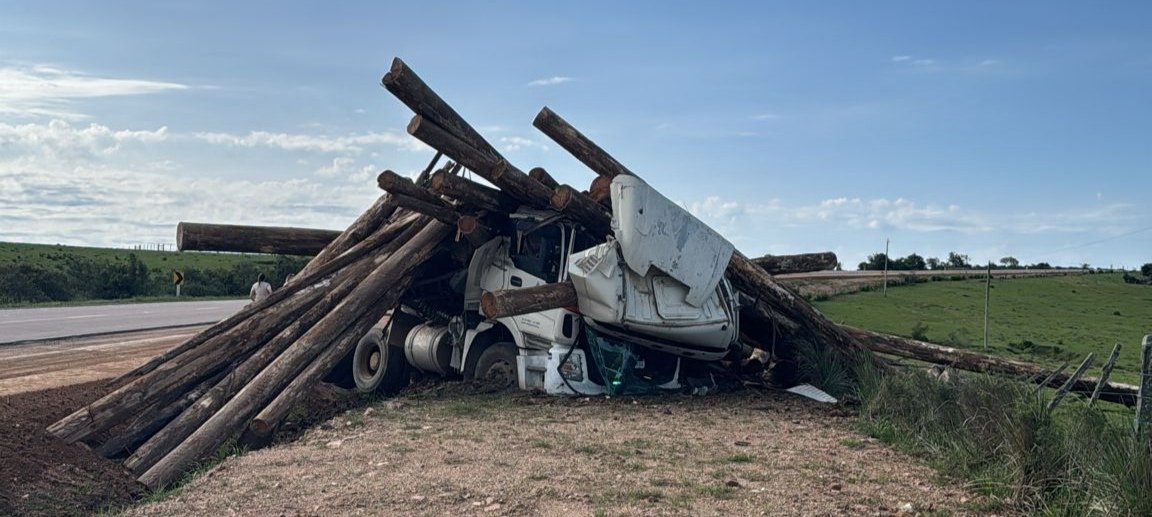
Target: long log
151 420
976 362
375 295
406 86
398 185
582 147
439 212
582 209
513 302
471 194
315 271
281 240
800 263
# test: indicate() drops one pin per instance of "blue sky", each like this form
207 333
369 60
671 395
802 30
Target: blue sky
987 128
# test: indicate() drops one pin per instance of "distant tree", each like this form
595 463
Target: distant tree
1040 265
1146 269
913 262
933 263
958 261
875 262
1010 262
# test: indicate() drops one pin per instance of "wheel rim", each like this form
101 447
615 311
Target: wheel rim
501 372
374 362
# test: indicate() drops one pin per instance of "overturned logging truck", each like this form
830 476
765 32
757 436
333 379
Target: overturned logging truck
603 290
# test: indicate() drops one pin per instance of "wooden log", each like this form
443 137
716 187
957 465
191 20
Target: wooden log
582 209
601 190
976 362
376 294
151 420
800 263
440 212
541 175
1060 393
368 223
573 141
513 302
316 270
406 86
264 425
280 240
398 185
471 194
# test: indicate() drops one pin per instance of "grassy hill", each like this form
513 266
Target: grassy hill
1043 320
44 273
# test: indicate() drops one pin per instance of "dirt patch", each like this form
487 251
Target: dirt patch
437 451
40 475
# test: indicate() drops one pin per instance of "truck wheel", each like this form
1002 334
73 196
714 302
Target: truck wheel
497 364
377 367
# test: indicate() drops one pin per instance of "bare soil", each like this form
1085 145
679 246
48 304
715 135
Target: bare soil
449 449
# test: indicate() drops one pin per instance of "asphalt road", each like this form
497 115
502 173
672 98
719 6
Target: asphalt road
58 322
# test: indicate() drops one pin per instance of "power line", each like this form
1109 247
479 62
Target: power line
1098 241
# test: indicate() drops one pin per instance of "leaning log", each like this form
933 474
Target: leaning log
280 240
374 295
365 225
801 263
398 185
976 362
582 147
513 302
541 175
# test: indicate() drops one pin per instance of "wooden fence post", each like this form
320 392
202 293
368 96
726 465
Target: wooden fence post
1070 382
1144 400
1105 372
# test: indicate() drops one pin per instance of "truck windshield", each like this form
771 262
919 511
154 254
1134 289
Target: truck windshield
539 253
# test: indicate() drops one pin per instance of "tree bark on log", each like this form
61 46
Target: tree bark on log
280 240
976 362
367 224
375 295
580 146
541 175
582 209
440 212
151 420
513 302
601 190
471 194
801 263
266 422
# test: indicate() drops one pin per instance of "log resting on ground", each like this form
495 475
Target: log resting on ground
976 362
281 240
801 263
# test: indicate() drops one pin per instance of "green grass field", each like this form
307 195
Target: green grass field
1043 320
49 254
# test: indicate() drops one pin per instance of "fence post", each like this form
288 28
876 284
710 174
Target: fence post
1104 374
1070 382
1144 400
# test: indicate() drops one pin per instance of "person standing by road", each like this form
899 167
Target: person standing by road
260 290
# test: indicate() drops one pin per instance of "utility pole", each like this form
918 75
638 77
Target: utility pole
886 243
987 298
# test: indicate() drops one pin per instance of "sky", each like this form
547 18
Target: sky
990 129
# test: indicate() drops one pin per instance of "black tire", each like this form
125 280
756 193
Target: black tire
377 367
497 365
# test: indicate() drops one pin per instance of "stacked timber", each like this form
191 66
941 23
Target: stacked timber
246 372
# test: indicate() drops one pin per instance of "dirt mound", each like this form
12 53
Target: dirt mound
40 475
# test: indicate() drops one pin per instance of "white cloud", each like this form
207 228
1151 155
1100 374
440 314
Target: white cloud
31 91
354 143
61 137
765 116
550 81
898 59
516 143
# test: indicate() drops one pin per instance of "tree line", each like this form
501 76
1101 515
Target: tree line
914 262
76 278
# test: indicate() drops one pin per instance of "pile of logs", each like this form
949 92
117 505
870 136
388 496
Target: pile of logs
245 373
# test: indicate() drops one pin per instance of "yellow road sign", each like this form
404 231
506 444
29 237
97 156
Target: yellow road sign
177 277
